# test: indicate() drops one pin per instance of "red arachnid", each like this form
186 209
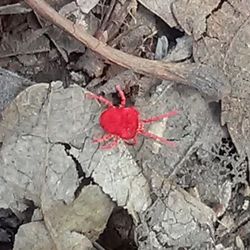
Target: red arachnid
124 123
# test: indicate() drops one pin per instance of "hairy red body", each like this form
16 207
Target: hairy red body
122 122
125 123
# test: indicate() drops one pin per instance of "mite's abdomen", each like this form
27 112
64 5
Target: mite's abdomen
122 122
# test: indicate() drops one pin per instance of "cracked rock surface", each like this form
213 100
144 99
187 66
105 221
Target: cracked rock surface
48 157
222 36
46 136
176 219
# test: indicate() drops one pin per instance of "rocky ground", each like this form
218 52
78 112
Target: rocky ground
59 190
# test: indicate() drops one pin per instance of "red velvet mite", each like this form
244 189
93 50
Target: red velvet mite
124 123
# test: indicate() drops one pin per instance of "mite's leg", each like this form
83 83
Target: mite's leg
104 138
122 96
160 117
157 138
132 141
112 144
100 98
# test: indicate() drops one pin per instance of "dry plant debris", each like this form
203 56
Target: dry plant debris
59 190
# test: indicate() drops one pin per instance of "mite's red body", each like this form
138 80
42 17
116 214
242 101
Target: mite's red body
125 123
122 122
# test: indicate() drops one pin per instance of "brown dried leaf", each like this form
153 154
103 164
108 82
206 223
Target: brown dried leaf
23 43
87 5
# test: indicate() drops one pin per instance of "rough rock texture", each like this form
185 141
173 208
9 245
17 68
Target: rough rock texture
223 43
194 126
36 166
87 214
47 153
35 236
161 8
175 219
48 156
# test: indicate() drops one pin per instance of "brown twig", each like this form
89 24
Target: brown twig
209 81
140 65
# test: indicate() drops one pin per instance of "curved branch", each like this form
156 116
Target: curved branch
209 81
140 65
